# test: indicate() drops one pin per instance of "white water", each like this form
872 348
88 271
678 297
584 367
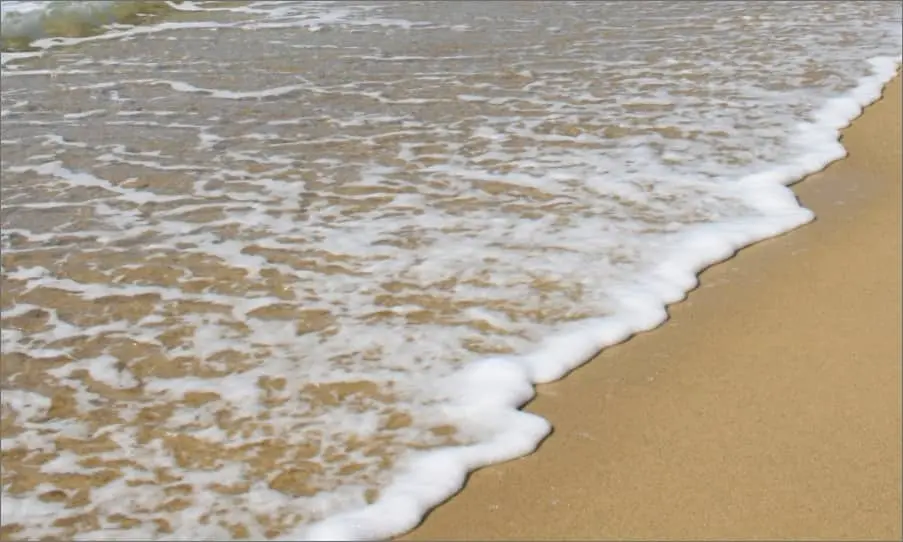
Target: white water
624 160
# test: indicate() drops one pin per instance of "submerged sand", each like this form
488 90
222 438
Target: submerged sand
768 407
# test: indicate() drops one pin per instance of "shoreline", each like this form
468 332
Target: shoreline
768 406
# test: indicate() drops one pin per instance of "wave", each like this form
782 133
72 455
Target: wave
22 23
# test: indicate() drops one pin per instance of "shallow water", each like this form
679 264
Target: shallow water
253 250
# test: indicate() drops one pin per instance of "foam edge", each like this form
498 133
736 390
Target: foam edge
495 388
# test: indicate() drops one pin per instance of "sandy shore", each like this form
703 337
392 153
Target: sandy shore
769 407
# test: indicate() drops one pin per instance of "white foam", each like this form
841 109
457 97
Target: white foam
27 405
488 392
562 204
180 86
16 507
103 369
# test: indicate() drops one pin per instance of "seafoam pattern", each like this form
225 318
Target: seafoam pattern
252 252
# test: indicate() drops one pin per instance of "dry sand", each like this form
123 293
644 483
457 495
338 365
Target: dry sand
768 407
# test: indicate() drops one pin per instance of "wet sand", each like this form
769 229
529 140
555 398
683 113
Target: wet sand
768 407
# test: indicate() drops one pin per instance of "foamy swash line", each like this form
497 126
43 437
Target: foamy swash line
490 391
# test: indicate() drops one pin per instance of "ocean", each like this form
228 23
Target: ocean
288 270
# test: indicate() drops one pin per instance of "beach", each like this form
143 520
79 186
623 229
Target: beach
292 270
767 407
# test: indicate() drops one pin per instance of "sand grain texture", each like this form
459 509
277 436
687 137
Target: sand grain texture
768 407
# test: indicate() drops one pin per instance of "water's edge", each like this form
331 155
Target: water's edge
490 383
288 202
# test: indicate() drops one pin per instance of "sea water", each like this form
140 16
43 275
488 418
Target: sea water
288 269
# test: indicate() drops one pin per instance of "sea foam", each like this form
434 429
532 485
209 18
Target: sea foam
294 267
489 392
